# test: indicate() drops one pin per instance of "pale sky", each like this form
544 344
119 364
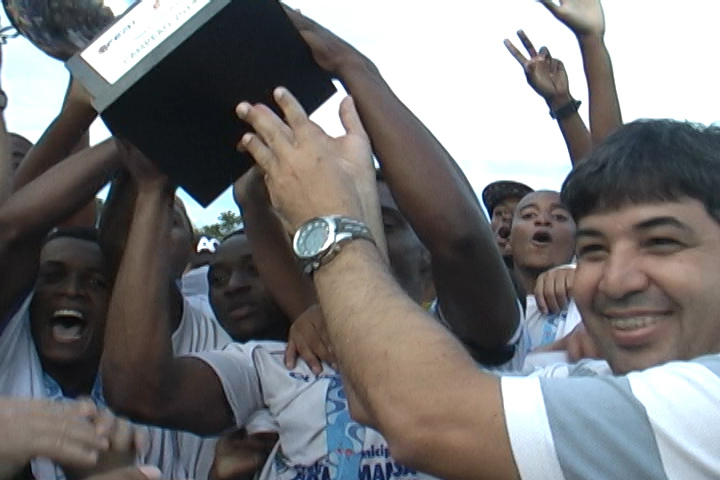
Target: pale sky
446 61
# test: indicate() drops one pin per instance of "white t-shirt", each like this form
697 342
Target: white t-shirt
544 329
179 455
659 423
195 282
317 438
519 342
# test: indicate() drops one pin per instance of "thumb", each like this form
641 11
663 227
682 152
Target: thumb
552 6
291 354
545 53
350 118
152 473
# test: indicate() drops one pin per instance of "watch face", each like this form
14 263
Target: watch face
312 239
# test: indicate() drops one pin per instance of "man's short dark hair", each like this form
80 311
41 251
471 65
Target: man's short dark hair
89 234
648 161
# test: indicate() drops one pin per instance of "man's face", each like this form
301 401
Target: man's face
181 240
646 283
501 223
408 257
542 234
67 313
239 298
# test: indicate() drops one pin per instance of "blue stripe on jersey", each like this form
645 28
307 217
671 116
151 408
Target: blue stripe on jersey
600 430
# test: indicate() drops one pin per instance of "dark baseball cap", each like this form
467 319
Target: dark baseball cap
498 191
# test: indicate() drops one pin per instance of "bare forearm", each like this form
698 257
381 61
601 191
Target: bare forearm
6 162
420 171
138 355
415 165
389 350
605 115
274 258
57 143
577 136
59 192
117 217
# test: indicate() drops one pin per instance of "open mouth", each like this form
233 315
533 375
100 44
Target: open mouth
542 238
68 325
503 232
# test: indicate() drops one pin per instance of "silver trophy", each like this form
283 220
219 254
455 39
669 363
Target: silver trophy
167 74
61 28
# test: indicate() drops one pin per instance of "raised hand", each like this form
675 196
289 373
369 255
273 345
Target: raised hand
328 50
142 170
62 431
583 17
545 74
308 173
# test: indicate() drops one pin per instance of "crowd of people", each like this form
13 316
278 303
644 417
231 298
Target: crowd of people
355 327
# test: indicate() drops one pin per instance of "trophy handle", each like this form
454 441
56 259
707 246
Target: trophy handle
6 33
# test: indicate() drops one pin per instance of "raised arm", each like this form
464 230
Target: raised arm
547 76
271 248
31 212
386 344
473 286
65 135
6 160
586 19
142 378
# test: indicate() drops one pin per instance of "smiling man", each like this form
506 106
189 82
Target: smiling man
67 312
647 211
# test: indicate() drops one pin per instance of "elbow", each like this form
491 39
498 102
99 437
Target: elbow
130 399
464 240
11 230
404 429
408 439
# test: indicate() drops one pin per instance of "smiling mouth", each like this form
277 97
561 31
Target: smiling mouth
68 325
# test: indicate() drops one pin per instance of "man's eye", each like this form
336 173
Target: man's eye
98 283
663 244
50 276
591 252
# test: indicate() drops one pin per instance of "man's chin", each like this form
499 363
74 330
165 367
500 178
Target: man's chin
625 362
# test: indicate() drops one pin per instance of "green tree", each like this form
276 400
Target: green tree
227 223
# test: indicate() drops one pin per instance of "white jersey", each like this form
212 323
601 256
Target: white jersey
195 283
519 343
661 423
544 329
179 455
318 440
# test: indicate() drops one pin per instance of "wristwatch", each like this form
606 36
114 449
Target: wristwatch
566 110
320 239
3 100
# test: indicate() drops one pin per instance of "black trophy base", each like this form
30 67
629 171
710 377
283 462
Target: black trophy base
180 112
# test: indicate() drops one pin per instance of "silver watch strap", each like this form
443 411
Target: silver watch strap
347 230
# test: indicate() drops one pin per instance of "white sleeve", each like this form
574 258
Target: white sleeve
236 370
660 423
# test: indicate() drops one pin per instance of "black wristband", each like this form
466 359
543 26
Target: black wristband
566 110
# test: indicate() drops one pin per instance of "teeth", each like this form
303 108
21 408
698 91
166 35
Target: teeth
69 313
633 323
